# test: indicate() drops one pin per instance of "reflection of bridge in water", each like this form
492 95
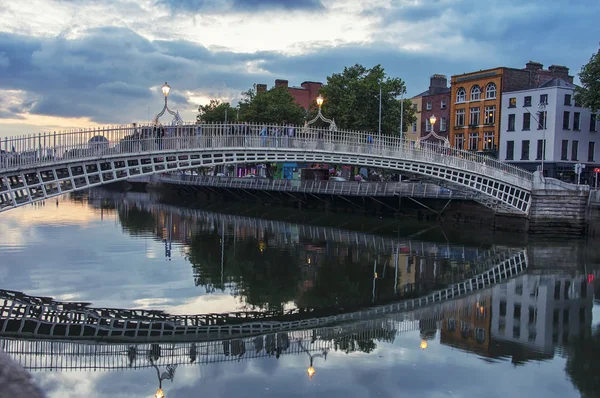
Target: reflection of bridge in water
35 317
208 221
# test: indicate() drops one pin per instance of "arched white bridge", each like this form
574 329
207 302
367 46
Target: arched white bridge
41 166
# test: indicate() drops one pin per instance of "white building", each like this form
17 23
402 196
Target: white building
571 132
541 311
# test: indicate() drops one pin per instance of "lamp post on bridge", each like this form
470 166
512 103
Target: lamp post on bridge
311 370
176 118
331 122
444 140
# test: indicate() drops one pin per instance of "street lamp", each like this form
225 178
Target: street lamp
165 90
320 101
432 120
311 370
176 118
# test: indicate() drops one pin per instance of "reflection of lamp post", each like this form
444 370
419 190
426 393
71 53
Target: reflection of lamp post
176 118
423 344
168 375
311 370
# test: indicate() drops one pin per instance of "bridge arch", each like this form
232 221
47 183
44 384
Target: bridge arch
30 176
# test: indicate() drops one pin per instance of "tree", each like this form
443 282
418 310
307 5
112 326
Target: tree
276 105
582 363
588 95
351 98
215 111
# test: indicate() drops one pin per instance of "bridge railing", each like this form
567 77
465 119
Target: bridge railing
48 148
349 188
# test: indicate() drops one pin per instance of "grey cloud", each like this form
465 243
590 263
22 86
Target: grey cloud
246 6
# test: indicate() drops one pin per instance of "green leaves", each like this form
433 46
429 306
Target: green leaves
215 112
352 99
274 106
588 95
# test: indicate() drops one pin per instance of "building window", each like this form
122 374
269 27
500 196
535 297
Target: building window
564 150
510 150
414 127
443 123
527 121
574 150
490 91
474 117
480 335
532 316
544 99
591 150
512 102
511 122
576 121
475 93
473 141
461 95
460 117
542 116
525 150
540 150
566 120
593 122
427 125
527 101
428 106
568 99
459 141
443 104
490 114
415 108
488 140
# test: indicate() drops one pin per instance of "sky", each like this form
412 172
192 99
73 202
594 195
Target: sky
81 63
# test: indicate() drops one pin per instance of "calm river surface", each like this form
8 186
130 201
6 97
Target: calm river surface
532 334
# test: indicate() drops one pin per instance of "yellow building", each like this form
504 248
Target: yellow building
475 110
414 131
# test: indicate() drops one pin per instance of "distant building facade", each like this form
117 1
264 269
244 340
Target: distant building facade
475 112
414 131
570 131
305 95
433 102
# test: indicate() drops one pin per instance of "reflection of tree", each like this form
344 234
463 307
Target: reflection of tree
583 366
364 342
137 221
266 277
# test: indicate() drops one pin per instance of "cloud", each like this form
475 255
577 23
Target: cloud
240 6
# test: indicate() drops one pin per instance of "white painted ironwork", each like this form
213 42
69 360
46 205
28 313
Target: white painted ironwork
330 122
35 317
348 188
40 166
177 120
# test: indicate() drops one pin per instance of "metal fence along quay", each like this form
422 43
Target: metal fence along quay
38 166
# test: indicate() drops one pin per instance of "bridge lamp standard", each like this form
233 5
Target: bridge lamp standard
320 102
432 120
177 119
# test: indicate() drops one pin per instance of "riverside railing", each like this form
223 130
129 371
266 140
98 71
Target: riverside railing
106 142
345 188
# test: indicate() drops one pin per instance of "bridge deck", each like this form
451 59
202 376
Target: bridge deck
45 165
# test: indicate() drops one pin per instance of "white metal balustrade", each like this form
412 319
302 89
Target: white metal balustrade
39 166
343 188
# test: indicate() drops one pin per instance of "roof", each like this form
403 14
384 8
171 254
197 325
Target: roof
557 82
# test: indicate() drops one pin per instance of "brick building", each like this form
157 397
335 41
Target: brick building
434 101
475 102
304 95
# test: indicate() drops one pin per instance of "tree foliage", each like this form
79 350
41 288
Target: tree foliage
582 365
351 98
215 112
276 105
588 95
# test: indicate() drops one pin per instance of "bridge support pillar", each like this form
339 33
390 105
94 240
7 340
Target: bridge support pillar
557 208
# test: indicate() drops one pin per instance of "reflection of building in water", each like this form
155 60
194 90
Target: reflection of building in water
468 327
540 311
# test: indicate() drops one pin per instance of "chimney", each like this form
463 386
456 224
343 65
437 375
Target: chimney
281 83
261 88
534 66
437 83
562 72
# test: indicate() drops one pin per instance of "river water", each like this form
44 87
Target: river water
532 333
